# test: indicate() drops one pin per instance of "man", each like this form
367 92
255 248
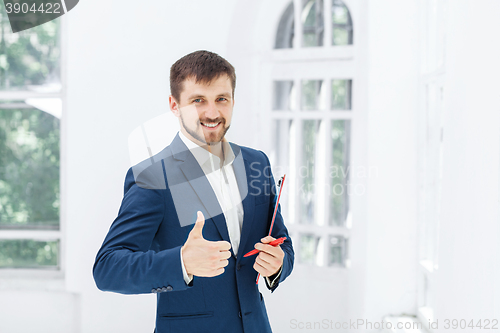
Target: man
192 211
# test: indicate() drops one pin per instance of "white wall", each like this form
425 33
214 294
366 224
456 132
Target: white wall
38 311
391 244
468 280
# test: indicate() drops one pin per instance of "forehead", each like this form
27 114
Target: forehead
219 85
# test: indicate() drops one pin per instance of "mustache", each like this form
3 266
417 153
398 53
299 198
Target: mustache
216 120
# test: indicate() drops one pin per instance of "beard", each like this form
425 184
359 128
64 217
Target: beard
213 138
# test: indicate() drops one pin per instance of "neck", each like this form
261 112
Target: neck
214 148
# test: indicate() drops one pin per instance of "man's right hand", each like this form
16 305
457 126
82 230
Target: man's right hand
201 257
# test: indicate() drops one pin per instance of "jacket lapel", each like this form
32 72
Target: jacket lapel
194 175
242 172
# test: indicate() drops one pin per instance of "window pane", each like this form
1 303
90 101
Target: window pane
28 254
284 96
285 33
338 251
310 128
339 172
29 58
313 95
341 94
308 248
312 23
341 24
281 145
29 168
281 160
340 36
340 14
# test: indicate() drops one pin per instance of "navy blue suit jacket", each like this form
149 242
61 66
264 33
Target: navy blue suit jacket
141 252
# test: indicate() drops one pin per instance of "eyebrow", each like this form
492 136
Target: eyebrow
226 94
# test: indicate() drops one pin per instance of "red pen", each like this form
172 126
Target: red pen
275 242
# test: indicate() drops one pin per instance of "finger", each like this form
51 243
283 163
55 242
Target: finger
261 269
271 268
267 239
269 262
273 250
223 263
200 216
197 231
218 271
224 255
223 245
267 258
261 261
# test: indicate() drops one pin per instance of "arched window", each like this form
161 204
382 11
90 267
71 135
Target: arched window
312 23
31 94
312 113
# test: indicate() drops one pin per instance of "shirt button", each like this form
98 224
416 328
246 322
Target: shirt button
169 288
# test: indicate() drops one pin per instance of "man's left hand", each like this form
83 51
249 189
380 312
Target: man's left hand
270 258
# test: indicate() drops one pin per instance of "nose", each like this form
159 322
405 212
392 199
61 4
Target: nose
211 112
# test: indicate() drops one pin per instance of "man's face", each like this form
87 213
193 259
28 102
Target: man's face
205 110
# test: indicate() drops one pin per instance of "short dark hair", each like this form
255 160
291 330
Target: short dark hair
203 66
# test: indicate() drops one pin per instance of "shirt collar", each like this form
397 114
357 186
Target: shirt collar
203 156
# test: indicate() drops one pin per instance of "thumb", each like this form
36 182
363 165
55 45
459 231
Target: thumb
197 231
267 239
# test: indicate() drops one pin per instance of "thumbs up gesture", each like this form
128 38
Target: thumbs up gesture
202 257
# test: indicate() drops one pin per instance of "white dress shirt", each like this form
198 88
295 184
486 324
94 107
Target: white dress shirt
223 181
221 177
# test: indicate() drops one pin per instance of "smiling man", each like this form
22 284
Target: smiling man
192 211
206 112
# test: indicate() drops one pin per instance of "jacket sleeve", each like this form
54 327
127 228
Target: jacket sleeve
279 230
126 263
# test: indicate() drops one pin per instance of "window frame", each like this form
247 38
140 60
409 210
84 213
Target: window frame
432 16
289 64
17 277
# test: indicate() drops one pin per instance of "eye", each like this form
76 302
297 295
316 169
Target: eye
222 99
198 100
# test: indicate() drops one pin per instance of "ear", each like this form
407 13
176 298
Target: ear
174 106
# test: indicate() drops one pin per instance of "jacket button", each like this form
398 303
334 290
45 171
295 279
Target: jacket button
169 288
164 289
154 291
239 314
238 267
158 290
